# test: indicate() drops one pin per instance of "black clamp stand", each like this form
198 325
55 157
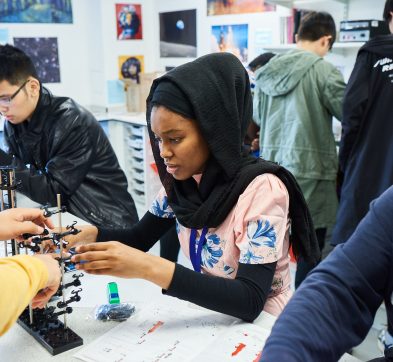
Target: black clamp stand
44 324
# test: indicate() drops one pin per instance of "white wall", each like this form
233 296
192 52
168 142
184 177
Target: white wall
365 9
89 49
73 55
268 20
113 47
344 58
357 10
106 48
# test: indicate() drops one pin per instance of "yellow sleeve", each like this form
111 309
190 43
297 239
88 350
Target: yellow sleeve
21 277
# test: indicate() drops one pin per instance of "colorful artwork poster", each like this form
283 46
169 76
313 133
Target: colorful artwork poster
130 66
45 56
178 34
224 7
129 21
36 11
232 39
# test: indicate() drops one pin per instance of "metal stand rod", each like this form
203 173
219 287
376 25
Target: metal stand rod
31 313
3 208
8 200
61 255
12 203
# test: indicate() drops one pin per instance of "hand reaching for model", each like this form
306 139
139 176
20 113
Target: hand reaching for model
18 221
117 259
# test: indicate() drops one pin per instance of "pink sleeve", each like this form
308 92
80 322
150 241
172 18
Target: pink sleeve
261 221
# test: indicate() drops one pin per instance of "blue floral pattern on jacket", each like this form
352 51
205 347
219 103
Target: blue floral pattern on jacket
211 251
162 209
228 270
260 233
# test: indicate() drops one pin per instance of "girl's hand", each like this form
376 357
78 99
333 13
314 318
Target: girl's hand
117 259
111 258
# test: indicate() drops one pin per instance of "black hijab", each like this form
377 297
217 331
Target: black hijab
214 90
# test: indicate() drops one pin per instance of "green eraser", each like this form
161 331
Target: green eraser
113 293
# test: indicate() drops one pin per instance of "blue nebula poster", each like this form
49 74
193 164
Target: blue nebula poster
36 11
44 53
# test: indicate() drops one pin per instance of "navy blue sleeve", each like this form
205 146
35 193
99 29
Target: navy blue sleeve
335 306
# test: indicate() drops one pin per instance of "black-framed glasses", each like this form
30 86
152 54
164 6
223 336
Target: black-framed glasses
6 101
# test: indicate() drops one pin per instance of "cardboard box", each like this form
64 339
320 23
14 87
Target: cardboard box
132 95
136 94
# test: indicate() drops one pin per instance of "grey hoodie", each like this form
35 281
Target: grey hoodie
285 71
296 95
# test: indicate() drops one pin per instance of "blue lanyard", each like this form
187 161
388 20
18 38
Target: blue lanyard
196 255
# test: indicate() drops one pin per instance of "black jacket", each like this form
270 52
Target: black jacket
366 150
63 149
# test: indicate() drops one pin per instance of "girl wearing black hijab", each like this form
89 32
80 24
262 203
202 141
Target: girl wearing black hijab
235 215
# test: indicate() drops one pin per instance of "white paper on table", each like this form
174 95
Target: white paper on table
174 331
158 333
239 342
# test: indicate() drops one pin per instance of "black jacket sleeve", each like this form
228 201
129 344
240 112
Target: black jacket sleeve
5 158
143 235
70 148
354 106
242 297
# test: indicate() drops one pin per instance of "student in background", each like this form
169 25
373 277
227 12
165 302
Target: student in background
255 64
58 147
335 306
24 277
233 213
295 98
252 137
366 149
260 61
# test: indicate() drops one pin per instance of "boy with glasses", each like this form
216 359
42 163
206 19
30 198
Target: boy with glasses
57 146
6 101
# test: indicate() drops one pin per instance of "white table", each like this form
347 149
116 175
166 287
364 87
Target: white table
18 346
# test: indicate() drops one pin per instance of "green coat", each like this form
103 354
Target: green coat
296 95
